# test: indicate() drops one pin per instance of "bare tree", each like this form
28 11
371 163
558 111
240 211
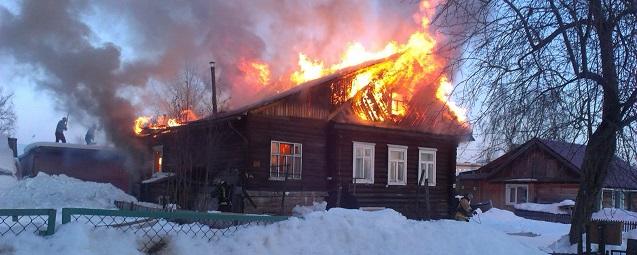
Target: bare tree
188 90
556 68
7 114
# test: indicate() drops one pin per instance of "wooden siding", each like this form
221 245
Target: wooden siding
261 130
536 164
379 194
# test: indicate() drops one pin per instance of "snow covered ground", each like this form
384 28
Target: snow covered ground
338 231
58 191
540 234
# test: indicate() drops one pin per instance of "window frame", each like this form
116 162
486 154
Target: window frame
363 145
507 193
421 150
399 148
291 175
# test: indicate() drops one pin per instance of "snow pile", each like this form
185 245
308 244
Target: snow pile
555 208
300 210
540 234
337 231
615 214
58 191
343 231
71 239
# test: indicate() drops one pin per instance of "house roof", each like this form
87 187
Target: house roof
620 173
428 115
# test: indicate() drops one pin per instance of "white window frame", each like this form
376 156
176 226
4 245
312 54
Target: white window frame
369 179
507 193
402 149
421 161
280 176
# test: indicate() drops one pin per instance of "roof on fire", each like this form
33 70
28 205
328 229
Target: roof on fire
431 115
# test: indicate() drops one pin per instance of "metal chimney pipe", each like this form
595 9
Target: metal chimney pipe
214 88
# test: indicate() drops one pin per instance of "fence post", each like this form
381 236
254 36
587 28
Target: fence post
66 216
50 228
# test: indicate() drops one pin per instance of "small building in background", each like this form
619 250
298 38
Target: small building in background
84 162
546 171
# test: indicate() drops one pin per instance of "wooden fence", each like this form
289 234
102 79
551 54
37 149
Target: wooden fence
566 218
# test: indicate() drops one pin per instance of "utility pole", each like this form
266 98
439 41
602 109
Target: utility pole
214 87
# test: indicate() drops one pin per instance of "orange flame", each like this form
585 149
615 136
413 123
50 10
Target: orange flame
255 71
162 122
385 89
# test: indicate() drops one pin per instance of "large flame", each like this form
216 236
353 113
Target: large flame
383 91
163 122
255 71
380 92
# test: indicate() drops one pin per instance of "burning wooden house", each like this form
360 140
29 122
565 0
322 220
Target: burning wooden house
375 130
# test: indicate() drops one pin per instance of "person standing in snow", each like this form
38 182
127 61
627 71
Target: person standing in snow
464 211
59 130
90 135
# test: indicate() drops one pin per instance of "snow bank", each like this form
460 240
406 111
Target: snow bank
540 234
554 208
337 231
615 214
299 210
58 191
71 239
342 231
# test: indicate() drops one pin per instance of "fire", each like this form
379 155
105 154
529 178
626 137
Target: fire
255 71
162 122
383 91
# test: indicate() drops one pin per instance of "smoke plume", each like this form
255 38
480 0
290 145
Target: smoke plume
93 52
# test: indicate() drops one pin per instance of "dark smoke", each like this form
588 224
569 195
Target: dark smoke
88 78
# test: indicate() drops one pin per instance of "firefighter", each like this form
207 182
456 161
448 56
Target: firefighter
224 197
59 131
464 211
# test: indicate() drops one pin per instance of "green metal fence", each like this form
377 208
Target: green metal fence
153 228
18 221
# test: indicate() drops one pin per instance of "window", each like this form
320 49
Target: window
427 165
397 104
363 162
285 159
397 170
516 193
617 198
158 157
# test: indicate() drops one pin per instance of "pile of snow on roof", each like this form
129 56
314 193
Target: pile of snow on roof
555 208
58 191
615 214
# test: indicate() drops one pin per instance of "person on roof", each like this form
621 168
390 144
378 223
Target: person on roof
59 131
90 135
464 211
